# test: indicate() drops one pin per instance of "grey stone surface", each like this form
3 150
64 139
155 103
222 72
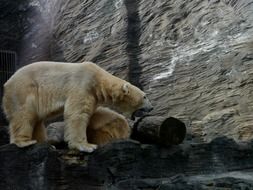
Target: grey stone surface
37 38
27 168
193 58
25 27
221 164
12 23
92 31
199 64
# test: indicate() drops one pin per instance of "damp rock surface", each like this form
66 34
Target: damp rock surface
25 28
192 58
121 165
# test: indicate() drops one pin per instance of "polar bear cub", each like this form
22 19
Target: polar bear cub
105 126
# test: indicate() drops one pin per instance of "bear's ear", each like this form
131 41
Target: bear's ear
125 88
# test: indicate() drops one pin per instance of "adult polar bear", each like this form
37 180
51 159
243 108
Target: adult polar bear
45 89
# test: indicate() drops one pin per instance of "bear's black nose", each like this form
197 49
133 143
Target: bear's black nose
150 109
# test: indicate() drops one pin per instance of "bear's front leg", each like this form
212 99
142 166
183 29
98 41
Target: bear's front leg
76 117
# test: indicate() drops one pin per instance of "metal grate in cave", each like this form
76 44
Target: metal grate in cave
8 62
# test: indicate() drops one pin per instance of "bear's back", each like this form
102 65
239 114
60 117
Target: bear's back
49 72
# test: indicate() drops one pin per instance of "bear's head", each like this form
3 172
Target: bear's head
130 100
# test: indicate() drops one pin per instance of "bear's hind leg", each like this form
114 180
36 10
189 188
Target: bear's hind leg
39 132
21 130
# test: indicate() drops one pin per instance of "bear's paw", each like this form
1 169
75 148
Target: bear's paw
83 147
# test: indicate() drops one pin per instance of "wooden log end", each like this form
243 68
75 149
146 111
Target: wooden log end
172 131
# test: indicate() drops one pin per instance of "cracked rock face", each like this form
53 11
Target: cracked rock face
201 53
193 58
221 164
25 28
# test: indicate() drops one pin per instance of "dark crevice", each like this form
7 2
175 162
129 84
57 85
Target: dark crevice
133 49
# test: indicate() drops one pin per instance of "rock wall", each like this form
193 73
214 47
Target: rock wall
25 27
91 31
193 58
12 24
129 165
36 41
201 53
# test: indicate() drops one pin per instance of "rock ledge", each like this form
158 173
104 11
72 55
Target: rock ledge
219 164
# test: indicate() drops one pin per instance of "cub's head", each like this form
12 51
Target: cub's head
130 100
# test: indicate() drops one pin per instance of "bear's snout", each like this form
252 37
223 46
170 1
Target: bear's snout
147 106
141 112
148 109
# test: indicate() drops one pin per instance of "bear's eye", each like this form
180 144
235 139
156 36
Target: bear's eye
144 97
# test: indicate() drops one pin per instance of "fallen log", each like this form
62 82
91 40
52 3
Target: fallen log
161 130
149 130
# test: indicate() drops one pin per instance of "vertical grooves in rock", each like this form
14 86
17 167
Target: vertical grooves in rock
133 49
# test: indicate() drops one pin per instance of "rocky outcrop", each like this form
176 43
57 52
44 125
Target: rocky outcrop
27 168
92 31
220 164
25 28
37 38
201 55
129 165
12 24
193 58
